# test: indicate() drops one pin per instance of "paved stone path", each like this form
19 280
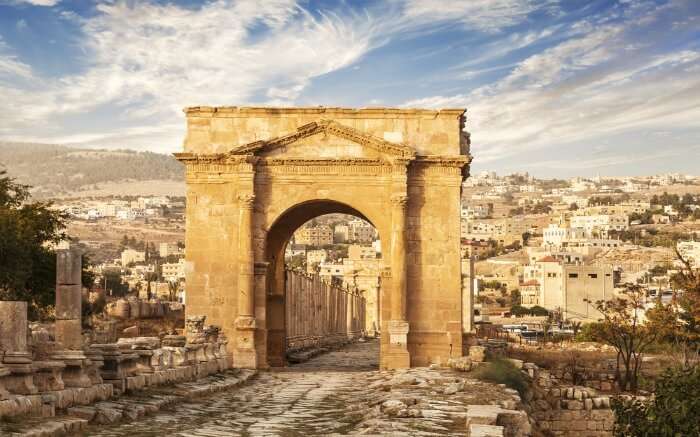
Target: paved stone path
340 392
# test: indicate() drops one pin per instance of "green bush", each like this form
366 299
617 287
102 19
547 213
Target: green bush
674 410
539 311
589 332
502 371
519 311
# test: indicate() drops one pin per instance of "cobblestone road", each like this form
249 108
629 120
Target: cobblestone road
340 392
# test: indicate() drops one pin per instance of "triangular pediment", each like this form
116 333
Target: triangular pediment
326 137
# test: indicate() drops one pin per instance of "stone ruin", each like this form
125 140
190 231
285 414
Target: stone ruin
43 372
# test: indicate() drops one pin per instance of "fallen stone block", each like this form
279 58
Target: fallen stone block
485 431
86 413
483 414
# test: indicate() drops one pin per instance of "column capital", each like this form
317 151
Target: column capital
400 165
246 323
246 200
399 199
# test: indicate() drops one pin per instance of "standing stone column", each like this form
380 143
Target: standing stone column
245 355
69 299
69 307
13 332
349 313
13 348
398 356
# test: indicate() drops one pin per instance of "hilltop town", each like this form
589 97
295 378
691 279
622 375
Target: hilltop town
530 247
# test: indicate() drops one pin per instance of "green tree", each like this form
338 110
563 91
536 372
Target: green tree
114 286
624 328
673 411
539 311
27 261
519 311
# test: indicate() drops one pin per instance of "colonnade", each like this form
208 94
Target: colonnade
319 313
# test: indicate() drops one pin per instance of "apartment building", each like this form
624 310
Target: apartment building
600 224
314 236
316 256
359 231
569 288
173 272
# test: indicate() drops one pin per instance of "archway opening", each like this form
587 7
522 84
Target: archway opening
324 283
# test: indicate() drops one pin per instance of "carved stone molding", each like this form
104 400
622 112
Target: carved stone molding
326 127
399 199
246 200
346 166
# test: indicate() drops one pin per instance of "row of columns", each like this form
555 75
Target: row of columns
318 312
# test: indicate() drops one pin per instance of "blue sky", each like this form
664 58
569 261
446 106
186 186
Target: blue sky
556 88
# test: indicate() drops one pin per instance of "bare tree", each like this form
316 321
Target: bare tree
624 328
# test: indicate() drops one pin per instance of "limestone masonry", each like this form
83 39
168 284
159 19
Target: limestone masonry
255 175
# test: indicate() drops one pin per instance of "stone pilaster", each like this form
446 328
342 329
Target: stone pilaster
398 324
246 325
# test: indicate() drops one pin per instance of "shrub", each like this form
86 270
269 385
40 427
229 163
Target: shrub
502 371
589 332
519 311
539 311
673 411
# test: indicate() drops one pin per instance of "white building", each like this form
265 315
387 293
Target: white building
130 256
569 288
167 249
173 272
600 225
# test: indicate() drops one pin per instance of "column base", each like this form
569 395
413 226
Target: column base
244 354
75 373
397 355
245 359
396 358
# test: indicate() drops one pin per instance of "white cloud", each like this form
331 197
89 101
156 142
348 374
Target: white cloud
582 89
483 15
148 61
39 2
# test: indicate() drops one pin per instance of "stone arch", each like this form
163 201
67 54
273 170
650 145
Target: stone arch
277 237
402 169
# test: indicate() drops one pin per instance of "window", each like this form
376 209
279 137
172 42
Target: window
593 275
573 275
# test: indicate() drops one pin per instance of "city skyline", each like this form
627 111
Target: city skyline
557 90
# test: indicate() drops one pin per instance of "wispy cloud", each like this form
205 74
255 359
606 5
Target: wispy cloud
483 15
33 2
581 89
152 60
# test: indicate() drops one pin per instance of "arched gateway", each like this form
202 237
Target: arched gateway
254 175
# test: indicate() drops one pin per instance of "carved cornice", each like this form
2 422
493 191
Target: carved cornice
189 159
458 161
327 127
350 166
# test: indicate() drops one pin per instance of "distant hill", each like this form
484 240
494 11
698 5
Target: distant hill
60 171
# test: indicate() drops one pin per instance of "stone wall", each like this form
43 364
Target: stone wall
560 409
587 368
134 308
40 377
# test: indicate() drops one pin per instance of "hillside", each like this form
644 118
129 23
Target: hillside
59 171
